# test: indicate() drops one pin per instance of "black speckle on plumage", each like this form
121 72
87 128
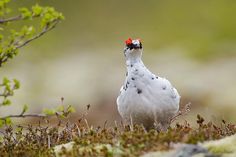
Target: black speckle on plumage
125 51
132 78
173 96
139 91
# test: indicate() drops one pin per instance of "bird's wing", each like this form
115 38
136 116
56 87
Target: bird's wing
161 92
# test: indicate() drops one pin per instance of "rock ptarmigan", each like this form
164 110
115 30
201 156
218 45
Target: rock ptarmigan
145 98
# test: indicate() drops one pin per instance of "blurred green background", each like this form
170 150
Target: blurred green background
191 43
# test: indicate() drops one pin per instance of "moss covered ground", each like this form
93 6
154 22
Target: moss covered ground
119 140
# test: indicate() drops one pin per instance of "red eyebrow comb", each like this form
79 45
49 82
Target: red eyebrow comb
128 41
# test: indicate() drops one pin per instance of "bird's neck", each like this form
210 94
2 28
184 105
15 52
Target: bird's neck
134 63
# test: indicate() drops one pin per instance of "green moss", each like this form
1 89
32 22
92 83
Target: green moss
222 146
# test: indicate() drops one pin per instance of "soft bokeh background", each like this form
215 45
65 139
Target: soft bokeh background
191 43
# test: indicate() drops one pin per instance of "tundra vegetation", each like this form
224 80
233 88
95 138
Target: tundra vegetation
53 127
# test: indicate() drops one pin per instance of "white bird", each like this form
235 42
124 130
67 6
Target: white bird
145 98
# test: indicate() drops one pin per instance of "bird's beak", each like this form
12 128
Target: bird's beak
137 46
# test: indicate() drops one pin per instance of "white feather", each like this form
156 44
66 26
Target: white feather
146 98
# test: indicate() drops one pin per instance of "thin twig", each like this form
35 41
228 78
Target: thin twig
86 122
49 142
2 132
45 30
24 116
6 95
16 18
181 112
131 124
78 129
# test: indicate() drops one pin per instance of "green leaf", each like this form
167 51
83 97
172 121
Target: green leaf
25 109
71 109
8 88
60 108
25 13
3 3
37 10
19 129
8 121
62 116
6 81
6 102
1 123
16 84
49 112
27 31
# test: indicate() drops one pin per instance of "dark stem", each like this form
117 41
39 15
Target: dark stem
17 46
45 30
6 95
24 116
16 18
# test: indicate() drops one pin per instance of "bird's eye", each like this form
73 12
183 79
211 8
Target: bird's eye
130 46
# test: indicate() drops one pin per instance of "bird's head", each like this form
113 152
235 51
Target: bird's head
133 49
